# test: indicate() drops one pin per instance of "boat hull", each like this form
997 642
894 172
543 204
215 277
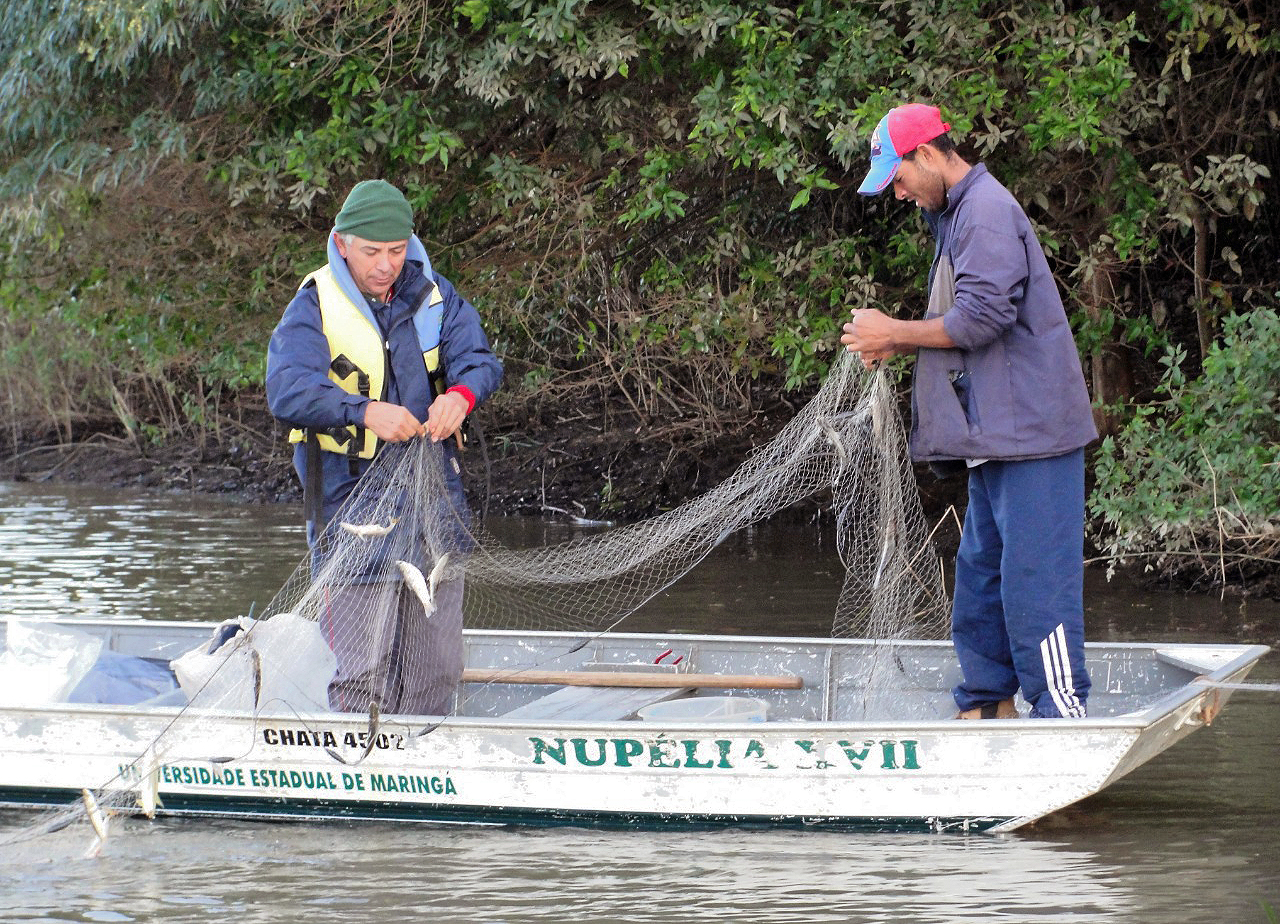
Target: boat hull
840 774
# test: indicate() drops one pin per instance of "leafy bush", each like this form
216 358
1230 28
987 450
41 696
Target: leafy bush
650 201
1191 485
123 332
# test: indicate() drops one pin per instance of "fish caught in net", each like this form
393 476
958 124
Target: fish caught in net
371 622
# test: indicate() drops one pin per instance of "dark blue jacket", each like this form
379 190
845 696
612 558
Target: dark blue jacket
1013 387
300 392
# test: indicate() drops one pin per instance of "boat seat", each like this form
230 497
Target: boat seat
604 704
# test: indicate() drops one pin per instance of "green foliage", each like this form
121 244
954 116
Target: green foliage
1192 483
646 198
71 363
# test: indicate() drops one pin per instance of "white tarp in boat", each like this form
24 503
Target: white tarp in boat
43 663
125 680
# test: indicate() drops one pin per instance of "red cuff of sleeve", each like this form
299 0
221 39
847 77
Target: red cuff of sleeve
466 393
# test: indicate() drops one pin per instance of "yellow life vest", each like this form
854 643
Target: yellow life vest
358 356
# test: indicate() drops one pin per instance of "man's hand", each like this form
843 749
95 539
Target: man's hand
446 415
391 422
870 331
876 336
869 335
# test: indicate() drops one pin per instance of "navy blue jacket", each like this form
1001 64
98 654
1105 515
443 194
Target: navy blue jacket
300 392
1013 387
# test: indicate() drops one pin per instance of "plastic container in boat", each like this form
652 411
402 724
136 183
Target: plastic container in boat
706 709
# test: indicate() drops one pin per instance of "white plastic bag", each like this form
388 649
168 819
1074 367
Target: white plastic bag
297 664
43 663
281 664
222 679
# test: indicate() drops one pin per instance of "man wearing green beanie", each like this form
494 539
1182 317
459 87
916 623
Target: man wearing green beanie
377 348
376 211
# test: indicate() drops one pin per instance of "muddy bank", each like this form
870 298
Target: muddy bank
593 463
598 465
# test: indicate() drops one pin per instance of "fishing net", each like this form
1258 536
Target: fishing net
401 567
371 621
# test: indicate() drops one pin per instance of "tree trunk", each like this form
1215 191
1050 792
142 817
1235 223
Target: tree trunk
1110 372
1200 269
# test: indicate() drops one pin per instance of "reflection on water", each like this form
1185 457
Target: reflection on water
235 872
87 553
1190 837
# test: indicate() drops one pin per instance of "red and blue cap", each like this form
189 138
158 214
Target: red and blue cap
903 130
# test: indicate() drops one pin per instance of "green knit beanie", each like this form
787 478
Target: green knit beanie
375 211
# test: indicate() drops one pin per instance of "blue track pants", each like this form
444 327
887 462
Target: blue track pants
1017 618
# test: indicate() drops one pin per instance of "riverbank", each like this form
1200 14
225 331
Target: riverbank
587 458
595 466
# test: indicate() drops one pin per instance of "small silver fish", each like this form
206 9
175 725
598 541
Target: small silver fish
418 584
375 720
834 438
368 530
99 820
437 572
256 660
149 785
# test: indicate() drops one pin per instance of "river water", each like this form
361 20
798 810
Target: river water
1193 836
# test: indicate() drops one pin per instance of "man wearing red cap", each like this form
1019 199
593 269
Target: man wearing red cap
998 390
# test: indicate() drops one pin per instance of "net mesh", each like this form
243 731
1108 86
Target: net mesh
371 620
